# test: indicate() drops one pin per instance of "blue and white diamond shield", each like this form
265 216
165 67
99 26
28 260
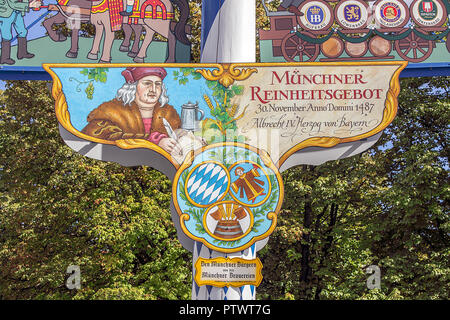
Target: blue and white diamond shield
207 184
228 196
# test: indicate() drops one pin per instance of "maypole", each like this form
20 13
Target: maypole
228 31
228 36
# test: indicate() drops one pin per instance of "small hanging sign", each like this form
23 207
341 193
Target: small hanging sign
226 272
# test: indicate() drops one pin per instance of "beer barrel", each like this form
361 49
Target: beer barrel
379 47
356 50
228 229
333 47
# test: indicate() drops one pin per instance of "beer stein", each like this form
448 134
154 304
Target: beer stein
190 116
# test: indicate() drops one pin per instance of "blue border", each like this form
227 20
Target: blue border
411 71
23 73
426 70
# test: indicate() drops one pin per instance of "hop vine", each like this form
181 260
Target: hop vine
93 75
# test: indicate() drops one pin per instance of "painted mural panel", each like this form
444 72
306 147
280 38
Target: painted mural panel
34 32
223 130
356 30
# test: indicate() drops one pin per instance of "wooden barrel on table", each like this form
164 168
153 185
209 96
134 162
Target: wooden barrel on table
356 50
228 229
380 47
333 47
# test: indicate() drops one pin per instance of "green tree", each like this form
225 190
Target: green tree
59 208
387 207
409 231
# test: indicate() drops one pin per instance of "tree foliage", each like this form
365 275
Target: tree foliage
387 207
58 209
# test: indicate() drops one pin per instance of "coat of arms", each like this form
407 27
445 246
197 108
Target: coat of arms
227 196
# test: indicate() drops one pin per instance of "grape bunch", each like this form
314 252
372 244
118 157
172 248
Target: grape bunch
89 90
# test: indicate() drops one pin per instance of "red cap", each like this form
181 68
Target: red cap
134 74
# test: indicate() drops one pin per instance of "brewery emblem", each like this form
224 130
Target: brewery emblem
227 196
391 13
316 15
352 14
428 13
250 183
228 220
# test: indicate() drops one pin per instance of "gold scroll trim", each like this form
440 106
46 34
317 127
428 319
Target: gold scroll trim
226 74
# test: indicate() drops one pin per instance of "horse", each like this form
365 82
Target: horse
125 46
99 14
156 17
106 19
73 15
75 12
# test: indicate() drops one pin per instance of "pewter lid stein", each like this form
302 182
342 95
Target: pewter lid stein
190 116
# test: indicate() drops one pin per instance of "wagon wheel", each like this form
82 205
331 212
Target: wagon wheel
295 49
413 48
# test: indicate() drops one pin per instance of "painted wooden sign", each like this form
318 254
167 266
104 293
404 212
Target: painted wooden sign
221 272
223 132
34 32
356 30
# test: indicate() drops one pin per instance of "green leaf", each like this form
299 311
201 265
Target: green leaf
237 89
212 85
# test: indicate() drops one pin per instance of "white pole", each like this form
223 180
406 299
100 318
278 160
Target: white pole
228 36
228 31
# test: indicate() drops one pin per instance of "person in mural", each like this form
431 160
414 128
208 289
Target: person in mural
11 15
248 184
291 6
128 8
138 111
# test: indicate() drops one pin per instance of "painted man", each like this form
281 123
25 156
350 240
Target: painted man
128 6
247 184
291 6
138 111
11 15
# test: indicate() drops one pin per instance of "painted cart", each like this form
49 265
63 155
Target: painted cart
350 30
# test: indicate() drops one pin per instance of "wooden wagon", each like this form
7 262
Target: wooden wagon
387 25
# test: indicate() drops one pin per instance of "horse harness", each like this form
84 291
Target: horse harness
141 12
113 7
